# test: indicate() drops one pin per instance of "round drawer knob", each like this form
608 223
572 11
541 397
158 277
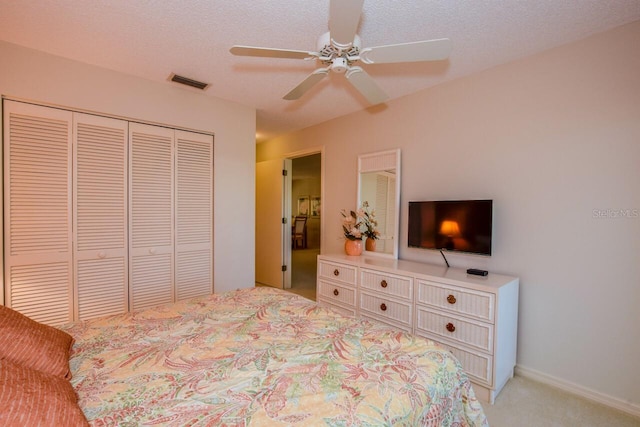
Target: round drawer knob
383 283
336 272
383 307
450 327
336 292
451 299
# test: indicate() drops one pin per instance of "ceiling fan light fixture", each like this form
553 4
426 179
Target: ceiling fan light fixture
339 65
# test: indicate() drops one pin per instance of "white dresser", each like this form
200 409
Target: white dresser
475 317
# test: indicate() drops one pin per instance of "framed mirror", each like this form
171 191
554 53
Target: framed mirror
379 188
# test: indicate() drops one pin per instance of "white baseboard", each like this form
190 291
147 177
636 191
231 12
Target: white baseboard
613 402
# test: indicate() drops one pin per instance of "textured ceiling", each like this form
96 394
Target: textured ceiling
153 38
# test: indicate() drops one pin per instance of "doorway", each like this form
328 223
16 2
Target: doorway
306 201
287 188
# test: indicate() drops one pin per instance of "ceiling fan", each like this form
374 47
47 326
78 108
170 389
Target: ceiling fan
341 48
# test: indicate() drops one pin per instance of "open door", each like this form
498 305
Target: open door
273 228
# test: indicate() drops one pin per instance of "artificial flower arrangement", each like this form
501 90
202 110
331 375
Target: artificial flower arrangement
360 223
370 222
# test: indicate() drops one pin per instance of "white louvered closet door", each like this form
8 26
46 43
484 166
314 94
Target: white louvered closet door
37 196
151 250
100 215
194 204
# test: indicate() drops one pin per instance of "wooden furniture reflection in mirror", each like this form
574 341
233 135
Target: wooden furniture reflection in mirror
379 186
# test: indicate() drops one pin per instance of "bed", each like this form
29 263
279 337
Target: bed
262 357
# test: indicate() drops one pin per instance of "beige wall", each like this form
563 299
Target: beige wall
554 140
32 75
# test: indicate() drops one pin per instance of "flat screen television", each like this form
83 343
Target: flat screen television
453 225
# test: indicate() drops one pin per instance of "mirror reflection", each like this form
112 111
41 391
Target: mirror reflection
379 187
378 190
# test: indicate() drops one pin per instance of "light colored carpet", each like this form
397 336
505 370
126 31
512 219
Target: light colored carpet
527 403
303 272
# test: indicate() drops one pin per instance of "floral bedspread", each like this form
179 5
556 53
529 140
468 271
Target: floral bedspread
262 357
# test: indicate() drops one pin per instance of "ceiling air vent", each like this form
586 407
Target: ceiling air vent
187 81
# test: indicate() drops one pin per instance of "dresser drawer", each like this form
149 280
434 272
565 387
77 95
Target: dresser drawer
333 271
476 365
386 284
350 312
384 308
337 293
463 301
470 333
378 319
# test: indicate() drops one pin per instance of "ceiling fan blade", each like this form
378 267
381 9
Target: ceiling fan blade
427 50
344 16
270 53
366 85
311 80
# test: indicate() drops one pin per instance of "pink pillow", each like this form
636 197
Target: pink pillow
34 345
33 398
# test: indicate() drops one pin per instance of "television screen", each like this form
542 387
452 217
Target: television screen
453 225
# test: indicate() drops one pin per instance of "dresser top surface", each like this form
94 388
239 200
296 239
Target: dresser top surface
433 271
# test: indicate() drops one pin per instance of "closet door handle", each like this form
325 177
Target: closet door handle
102 254
152 251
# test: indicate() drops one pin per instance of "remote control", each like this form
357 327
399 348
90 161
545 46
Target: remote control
477 272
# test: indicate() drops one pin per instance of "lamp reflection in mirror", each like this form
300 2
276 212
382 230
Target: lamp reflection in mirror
450 229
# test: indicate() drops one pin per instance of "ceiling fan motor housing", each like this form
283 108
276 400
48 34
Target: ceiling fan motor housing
338 57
